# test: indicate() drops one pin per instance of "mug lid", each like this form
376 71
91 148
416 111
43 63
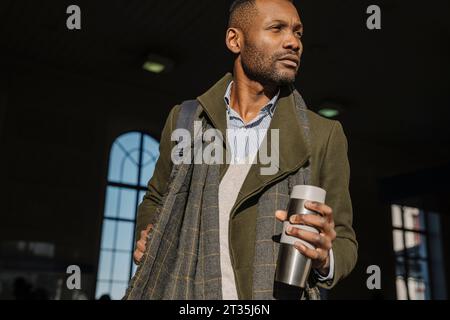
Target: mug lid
308 192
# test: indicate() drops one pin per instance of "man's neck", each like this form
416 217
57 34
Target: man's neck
248 97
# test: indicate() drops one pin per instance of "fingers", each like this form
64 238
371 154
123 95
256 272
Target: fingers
140 245
149 227
140 249
316 221
308 252
139 252
281 215
137 256
322 241
318 240
324 221
144 233
318 256
321 208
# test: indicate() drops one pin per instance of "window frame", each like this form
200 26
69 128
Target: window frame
139 188
424 232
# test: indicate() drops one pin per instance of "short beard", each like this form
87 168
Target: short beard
263 70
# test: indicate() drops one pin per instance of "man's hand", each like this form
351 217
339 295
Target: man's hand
323 240
140 244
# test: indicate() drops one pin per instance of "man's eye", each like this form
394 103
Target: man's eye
276 27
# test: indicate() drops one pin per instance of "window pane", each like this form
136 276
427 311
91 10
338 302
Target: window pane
426 279
125 236
396 216
398 241
130 141
115 160
401 288
129 171
118 290
103 287
415 245
418 270
124 159
108 234
149 157
422 225
417 289
127 203
104 270
112 201
399 266
412 218
122 263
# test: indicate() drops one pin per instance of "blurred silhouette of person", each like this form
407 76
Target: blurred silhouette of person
39 294
21 289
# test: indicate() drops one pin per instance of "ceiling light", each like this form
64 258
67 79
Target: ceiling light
154 67
157 64
329 112
330 108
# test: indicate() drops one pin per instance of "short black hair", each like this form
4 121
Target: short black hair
240 13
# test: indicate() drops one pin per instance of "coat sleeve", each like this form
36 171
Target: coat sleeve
335 179
157 186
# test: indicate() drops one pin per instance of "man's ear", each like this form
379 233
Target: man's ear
233 39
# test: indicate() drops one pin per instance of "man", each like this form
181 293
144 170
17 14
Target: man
206 234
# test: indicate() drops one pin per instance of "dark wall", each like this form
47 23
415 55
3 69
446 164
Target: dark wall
380 176
56 129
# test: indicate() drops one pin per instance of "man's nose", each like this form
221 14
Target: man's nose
293 42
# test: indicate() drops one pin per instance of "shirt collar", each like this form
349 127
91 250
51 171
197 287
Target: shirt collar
268 108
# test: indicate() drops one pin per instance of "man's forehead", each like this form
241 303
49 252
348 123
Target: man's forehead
276 10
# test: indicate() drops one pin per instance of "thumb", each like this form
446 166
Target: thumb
281 215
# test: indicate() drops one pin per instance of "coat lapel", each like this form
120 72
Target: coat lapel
214 106
293 149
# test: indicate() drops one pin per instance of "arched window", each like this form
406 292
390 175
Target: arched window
131 164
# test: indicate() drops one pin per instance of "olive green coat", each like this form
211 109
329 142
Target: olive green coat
329 170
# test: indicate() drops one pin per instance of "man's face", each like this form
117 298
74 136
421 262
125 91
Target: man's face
272 47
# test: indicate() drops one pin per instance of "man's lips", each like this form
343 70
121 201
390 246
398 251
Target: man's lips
290 60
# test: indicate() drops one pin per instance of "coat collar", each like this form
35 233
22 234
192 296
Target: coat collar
293 148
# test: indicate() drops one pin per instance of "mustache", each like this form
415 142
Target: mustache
288 55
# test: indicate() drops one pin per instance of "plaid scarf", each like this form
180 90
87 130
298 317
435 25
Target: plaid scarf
182 257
